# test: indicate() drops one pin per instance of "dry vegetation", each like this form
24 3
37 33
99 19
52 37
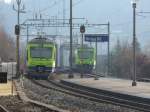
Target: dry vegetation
122 61
7 46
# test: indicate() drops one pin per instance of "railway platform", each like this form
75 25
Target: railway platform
111 86
6 89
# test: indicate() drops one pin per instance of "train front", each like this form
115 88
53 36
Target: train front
40 59
85 59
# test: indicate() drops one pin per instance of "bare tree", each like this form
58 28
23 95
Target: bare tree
7 46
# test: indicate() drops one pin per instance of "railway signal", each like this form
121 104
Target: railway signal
82 30
17 29
17 32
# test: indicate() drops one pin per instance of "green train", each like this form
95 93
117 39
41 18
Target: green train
85 59
40 58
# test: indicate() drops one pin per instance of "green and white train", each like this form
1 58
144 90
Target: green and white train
85 59
40 58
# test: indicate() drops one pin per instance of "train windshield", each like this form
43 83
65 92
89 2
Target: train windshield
85 54
45 52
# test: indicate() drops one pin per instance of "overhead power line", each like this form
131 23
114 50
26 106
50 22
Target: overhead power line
78 2
144 12
51 6
56 3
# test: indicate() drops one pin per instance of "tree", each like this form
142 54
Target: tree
122 60
7 46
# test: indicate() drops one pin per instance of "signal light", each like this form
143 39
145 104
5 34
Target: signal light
17 29
82 29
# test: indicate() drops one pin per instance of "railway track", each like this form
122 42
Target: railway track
44 107
27 107
100 97
36 105
3 109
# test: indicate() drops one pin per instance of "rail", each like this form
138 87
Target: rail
3 109
122 100
23 97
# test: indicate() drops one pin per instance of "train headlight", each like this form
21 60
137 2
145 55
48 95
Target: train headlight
53 64
81 61
94 63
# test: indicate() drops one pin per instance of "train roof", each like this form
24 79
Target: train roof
41 40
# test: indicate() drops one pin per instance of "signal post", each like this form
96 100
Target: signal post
82 31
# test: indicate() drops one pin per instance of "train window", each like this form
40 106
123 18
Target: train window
85 54
45 52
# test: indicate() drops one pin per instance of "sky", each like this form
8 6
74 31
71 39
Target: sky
117 12
6 1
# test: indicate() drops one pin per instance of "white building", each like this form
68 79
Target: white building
9 67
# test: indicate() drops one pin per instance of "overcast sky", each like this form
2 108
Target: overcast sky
117 12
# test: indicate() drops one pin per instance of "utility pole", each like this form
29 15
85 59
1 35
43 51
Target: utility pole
108 71
96 75
19 10
134 43
64 10
27 34
12 85
56 24
70 74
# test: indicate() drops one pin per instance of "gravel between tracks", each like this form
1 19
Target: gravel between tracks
14 104
68 102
